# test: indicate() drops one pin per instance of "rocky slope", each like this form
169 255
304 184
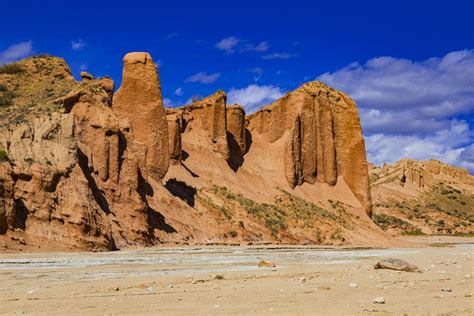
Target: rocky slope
423 197
82 167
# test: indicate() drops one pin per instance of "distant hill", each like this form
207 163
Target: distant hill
422 197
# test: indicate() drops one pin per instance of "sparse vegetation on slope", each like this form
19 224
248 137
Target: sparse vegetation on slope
287 211
441 204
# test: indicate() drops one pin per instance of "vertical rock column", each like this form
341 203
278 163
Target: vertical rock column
140 101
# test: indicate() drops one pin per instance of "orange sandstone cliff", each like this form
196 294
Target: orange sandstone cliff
82 167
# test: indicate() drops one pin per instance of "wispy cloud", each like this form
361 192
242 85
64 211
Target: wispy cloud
278 56
83 66
254 96
16 52
261 47
232 44
78 44
228 44
179 92
203 77
408 108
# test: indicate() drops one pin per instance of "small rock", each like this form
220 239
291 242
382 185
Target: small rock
266 264
379 300
170 286
324 287
150 289
446 289
115 288
86 75
219 277
353 285
302 279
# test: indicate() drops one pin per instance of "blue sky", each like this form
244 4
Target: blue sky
408 64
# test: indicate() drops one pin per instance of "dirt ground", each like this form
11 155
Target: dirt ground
227 280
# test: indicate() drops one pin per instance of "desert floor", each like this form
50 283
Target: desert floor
183 281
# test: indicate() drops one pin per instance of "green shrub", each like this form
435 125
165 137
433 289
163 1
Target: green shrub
11 69
2 88
6 98
233 233
416 232
3 155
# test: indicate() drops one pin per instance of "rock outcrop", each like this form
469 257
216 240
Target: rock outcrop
82 166
140 101
323 137
419 197
175 128
205 123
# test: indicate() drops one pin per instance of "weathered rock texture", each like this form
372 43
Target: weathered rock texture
175 128
323 137
139 100
205 122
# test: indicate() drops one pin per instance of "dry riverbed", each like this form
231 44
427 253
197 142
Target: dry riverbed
227 280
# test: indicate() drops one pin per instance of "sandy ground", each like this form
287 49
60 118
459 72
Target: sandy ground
183 281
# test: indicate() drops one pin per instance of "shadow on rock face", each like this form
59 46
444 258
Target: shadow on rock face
236 158
96 192
181 190
156 220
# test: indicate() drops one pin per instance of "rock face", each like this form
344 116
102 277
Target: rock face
140 101
175 128
238 136
323 137
205 123
84 168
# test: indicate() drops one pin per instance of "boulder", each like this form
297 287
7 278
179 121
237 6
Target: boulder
396 264
86 76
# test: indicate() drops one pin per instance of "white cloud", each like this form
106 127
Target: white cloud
278 56
179 92
228 44
83 66
231 44
261 47
254 96
78 45
413 109
203 77
16 52
423 95
445 145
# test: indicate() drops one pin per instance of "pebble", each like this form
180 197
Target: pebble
379 300
353 285
447 289
302 279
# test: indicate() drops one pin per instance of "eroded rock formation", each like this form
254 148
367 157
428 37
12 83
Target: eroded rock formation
139 100
85 166
175 128
205 123
323 137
